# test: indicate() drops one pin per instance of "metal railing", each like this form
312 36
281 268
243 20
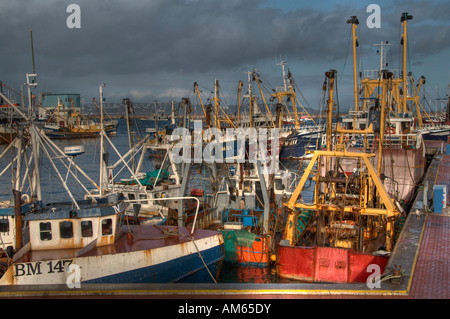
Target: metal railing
170 198
397 141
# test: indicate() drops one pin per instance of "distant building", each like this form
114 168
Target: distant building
49 103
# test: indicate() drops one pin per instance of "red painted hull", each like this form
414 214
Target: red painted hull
326 264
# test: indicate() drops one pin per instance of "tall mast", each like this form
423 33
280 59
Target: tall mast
283 67
331 76
405 17
385 77
288 92
238 115
130 131
103 173
382 54
173 112
354 21
250 100
216 104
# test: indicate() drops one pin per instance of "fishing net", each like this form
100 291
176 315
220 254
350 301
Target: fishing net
235 238
150 177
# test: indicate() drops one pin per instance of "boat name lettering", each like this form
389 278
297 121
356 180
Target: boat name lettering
119 207
37 268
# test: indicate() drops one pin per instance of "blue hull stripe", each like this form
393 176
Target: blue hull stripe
189 268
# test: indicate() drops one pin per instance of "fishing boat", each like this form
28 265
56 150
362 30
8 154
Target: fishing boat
81 241
95 240
349 225
249 205
304 134
9 123
438 127
7 133
12 237
70 124
395 128
148 190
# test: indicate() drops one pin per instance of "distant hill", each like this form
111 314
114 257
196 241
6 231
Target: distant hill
148 108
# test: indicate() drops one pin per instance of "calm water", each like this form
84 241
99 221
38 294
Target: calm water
89 162
52 189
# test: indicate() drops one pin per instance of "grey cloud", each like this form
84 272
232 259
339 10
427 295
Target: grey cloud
141 45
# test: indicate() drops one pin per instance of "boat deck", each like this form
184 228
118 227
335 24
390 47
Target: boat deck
422 251
144 237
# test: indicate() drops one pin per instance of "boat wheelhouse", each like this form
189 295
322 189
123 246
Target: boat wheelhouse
104 249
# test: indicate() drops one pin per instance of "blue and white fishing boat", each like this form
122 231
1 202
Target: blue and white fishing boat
93 245
89 241
297 144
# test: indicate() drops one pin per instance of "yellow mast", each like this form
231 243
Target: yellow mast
250 100
216 104
217 107
208 124
289 231
264 99
330 75
385 206
289 93
405 17
354 21
384 76
238 115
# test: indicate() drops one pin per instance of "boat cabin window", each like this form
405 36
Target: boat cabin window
279 184
131 196
405 127
45 230
4 225
247 186
65 229
143 196
86 228
106 227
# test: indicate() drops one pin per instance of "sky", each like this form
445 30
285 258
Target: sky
156 49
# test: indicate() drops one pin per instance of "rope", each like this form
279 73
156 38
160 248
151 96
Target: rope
201 257
170 234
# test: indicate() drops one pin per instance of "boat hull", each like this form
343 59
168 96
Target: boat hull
152 259
437 135
295 146
326 264
246 251
110 130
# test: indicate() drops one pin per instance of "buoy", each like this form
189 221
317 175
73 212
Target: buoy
129 238
273 257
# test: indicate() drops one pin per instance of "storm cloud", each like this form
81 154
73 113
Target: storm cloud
146 49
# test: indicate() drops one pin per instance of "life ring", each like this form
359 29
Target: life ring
25 198
390 130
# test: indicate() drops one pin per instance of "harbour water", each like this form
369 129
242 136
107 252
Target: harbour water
52 189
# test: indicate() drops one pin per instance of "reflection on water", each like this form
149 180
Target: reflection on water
233 273
52 189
